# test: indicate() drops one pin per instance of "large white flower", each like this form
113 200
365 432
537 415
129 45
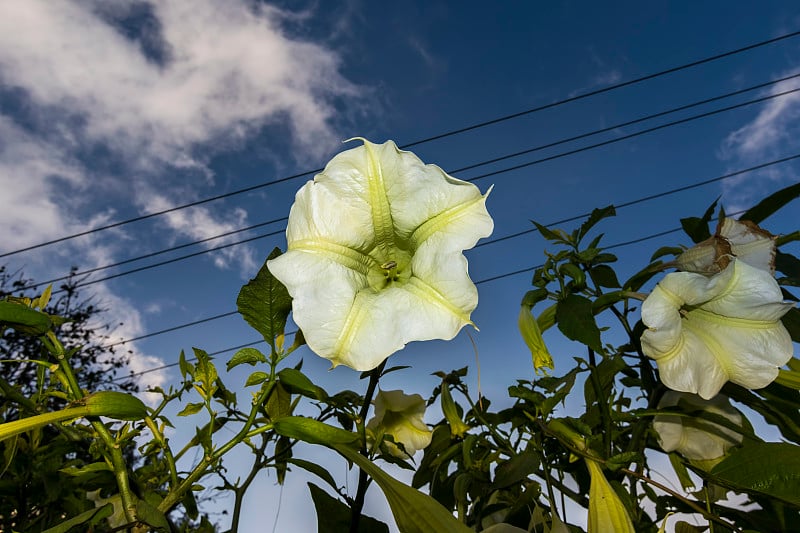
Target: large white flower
704 331
374 257
693 436
401 416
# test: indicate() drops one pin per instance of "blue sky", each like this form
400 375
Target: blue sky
110 110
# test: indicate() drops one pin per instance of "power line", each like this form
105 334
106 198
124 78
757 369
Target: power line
532 230
153 254
632 135
480 282
173 260
628 123
474 178
652 196
607 88
421 141
468 167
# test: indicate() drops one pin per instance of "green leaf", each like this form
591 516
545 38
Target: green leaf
771 204
249 356
788 265
256 378
791 321
88 469
769 468
636 281
205 374
414 511
696 228
315 469
681 471
191 408
115 404
514 470
279 403
333 515
297 382
313 431
150 515
24 319
533 297
187 368
622 460
89 518
667 250
576 321
265 303
596 216
605 276
549 234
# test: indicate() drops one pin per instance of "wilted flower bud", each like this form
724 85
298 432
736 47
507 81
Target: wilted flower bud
741 239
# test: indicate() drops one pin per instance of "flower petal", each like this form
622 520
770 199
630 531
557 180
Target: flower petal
731 331
374 256
694 437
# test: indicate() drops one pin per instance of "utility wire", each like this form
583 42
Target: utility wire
534 229
607 88
421 141
486 280
173 260
456 171
628 123
153 254
632 135
475 178
652 197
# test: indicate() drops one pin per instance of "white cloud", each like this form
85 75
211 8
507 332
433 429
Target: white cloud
199 77
126 101
771 134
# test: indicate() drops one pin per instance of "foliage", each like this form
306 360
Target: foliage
529 464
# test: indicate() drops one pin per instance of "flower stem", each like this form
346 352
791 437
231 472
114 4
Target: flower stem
363 479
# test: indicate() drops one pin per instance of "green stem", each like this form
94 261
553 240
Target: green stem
199 471
363 479
710 516
113 450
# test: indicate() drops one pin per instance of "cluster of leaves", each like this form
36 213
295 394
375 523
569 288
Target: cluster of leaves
526 465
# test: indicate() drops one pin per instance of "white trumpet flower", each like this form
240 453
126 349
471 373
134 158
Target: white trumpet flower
401 416
696 438
374 257
704 331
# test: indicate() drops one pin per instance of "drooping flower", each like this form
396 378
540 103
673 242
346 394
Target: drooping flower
704 331
695 437
401 416
606 511
374 257
741 239
532 335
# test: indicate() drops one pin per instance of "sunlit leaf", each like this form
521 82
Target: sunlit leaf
576 321
596 216
772 203
265 303
333 515
769 468
249 356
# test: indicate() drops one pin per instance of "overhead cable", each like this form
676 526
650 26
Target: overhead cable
525 232
421 141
